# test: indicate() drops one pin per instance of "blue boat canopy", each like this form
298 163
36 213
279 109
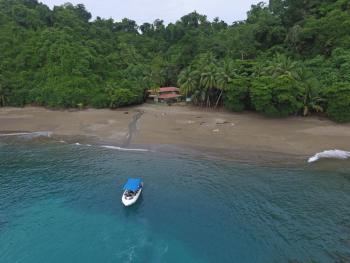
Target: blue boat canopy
132 184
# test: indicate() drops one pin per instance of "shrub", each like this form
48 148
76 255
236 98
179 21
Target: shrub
338 106
122 97
276 97
237 95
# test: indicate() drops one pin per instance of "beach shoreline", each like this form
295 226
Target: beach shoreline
206 131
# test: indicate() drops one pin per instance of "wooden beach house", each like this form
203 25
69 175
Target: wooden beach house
165 94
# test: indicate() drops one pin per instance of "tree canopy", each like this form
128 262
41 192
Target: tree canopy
289 57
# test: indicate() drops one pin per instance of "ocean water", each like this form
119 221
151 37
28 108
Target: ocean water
61 202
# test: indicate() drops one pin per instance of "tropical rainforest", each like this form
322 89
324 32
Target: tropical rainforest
289 57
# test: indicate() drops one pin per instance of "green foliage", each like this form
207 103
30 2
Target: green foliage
188 81
121 97
287 57
237 94
276 97
338 97
310 91
57 58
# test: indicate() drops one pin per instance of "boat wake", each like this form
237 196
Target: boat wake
331 154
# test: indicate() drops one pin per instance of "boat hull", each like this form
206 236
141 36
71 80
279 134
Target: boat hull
129 202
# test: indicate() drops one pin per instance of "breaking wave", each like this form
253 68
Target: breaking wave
331 154
124 149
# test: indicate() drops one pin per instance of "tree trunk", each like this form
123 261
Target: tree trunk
217 102
208 101
306 108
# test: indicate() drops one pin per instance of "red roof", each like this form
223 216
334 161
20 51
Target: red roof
169 89
169 96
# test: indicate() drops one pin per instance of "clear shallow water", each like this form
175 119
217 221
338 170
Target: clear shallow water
61 203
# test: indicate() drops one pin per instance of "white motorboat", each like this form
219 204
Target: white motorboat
132 191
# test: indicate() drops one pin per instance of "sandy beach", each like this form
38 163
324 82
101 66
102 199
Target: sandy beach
184 127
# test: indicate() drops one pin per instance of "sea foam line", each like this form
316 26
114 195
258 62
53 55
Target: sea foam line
114 148
123 149
79 144
33 134
330 154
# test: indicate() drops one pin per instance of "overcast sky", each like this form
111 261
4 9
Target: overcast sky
168 10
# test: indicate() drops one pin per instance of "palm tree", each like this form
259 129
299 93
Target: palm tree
259 70
311 99
208 80
204 60
188 81
223 77
198 96
282 65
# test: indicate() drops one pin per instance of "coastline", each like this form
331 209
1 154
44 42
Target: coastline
218 132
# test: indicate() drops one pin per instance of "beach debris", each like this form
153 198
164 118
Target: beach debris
199 117
216 130
221 121
190 122
203 122
126 112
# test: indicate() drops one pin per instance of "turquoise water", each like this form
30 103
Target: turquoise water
61 203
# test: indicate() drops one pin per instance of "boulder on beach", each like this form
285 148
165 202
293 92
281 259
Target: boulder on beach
220 121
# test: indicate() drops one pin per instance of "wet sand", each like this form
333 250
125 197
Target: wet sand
184 127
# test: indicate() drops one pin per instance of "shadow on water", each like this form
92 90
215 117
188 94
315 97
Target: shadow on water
134 209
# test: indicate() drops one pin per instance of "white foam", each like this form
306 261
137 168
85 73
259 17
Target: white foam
123 149
14 134
28 134
79 144
330 154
